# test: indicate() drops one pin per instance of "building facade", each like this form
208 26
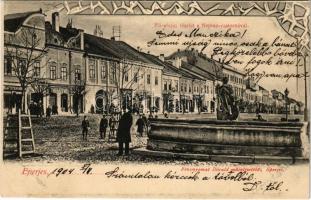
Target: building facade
71 71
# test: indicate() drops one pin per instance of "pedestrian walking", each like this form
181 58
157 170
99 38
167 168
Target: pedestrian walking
85 128
146 122
102 127
92 109
140 126
48 111
112 122
124 133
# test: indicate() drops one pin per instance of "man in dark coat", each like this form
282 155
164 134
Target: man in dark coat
124 132
146 122
85 128
102 127
140 126
48 111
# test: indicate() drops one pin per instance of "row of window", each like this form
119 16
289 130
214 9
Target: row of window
252 97
136 78
103 70
238 92
21 64
167 85
63 72
234 79
196 89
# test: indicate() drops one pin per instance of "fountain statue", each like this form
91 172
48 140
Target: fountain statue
227 108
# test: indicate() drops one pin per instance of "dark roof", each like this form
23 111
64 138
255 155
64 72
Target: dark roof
99 46
189 72
170 69
200 61
12 22
68 33
167 67
291 100
113 48
198 70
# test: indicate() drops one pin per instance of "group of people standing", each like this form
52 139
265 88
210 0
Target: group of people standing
122 128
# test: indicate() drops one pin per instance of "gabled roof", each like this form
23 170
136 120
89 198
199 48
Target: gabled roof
12 22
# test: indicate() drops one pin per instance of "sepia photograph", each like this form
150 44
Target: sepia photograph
155 99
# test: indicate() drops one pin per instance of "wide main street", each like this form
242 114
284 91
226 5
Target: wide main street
60 138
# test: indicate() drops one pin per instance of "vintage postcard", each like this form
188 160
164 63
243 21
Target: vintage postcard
155 99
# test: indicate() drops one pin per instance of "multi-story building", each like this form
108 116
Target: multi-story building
170 85
198 80
72 71
82 71
24 57
279 101
236 80
118 72
65 69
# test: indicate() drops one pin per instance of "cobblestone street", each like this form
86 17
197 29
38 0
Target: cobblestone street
59 138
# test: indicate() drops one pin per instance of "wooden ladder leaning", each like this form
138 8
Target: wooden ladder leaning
25 140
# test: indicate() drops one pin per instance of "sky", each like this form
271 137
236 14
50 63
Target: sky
138 30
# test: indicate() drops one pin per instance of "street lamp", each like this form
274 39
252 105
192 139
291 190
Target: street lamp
286 92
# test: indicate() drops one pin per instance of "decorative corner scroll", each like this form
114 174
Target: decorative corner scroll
292 16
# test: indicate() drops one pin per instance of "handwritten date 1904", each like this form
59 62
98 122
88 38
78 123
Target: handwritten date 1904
61 171
85 169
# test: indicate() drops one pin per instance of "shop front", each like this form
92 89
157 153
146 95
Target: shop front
12 99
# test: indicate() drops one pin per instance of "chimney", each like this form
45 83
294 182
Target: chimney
98 31
55 21
82 38
177 62
178 50
161 57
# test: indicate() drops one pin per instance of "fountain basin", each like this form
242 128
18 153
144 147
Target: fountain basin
216 137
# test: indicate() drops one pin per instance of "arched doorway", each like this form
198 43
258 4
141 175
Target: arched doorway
53 103
53 99
77 103
100 101
64 102
36 103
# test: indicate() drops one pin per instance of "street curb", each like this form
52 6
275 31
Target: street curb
223 158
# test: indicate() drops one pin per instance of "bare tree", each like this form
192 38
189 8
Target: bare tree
41 87
122 72
78 89
25 53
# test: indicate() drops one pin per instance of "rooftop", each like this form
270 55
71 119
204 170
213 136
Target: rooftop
112 48
12 22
